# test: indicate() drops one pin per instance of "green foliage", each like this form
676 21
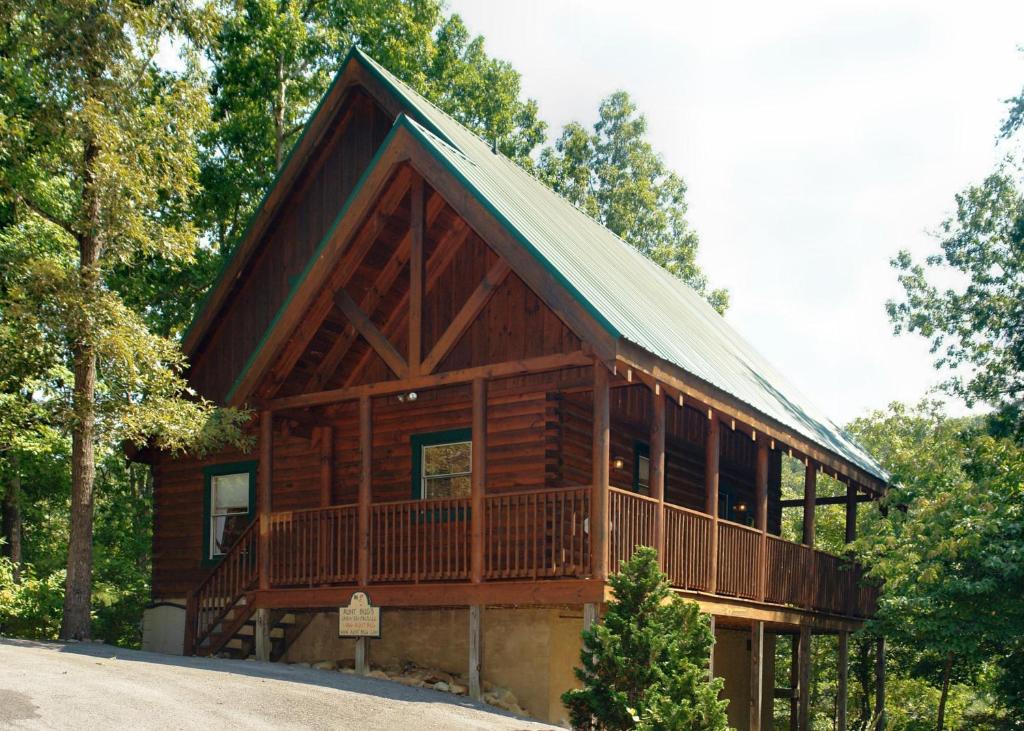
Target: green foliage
950 549
645 665
614 175
30 607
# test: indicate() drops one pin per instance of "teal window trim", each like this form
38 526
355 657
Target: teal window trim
640 449
432 439
226 468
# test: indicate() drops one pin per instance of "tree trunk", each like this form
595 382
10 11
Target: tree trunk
947 670
75 624
279 107
12 516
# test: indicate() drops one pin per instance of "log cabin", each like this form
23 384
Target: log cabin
472 402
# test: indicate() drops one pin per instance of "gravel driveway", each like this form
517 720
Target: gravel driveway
93 686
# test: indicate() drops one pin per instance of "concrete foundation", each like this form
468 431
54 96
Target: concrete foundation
163 628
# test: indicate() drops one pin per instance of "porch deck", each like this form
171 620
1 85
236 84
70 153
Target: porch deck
539 538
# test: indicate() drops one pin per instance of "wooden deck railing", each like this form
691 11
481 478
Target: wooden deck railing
420 540
688 548
537 534
739 561
210 602
632 522
314 547
529 535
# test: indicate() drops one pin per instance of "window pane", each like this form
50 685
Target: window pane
644 471
231 493
447 459
225 530
446 487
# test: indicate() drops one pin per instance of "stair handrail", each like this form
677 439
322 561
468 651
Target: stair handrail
236 573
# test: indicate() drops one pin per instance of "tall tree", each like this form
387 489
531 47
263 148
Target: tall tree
615 176
973 324
952 556
98 163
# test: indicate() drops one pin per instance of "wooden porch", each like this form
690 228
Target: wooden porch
421 551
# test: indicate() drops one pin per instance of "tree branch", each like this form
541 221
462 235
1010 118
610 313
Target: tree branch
38 210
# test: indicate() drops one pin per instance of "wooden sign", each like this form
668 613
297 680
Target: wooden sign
359 618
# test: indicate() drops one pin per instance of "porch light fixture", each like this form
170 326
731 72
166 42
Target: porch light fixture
740 507
618 463
410 397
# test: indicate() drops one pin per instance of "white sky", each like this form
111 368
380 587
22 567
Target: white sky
817 139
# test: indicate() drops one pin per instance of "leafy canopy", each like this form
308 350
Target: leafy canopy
645 665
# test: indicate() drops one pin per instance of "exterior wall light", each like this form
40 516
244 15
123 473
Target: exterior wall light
618 463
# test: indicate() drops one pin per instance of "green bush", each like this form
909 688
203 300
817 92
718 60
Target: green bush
32 607
645 665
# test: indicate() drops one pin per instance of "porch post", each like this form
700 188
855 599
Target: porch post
599 488
657 474
761 497
263 499
851 511
711 453
478 480
810 496
805 678
756 674
326 466
261 632
844 675
365 481
416 276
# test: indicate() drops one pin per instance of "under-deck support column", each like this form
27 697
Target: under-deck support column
761 508
475 686
794 682
589 615
711 454
843 680
756 674
261 632
478 480
265 482
880 719
657 473
599 488
365 483
804 660
326 466
711 652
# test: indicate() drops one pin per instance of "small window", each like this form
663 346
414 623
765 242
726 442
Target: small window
642 468
229 503
442 464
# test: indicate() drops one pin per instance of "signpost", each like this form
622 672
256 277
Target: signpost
360 620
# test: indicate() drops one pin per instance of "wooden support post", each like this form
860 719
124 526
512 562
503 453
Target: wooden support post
599 487
362 656
804 661
657 473
416 277
794 683
589 615
880 719
475 686
478 480
261 632
265 482
810 494
851 512
365 483
756 674
711 455
711 652
761 498
842 684
326 466
810 489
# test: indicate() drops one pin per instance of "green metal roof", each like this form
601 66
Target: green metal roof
632 297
